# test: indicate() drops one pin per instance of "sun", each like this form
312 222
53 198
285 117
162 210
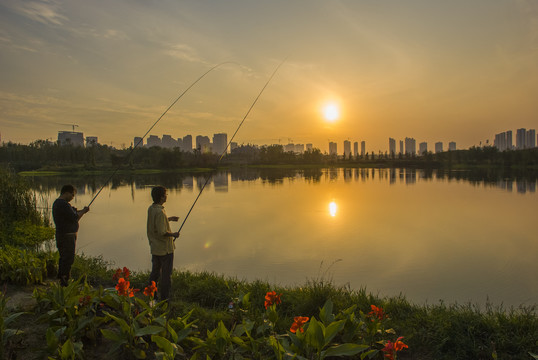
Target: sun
331 112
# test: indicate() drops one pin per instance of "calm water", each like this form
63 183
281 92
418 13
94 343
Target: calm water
429 236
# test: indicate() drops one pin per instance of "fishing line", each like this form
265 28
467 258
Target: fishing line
155 123
229 142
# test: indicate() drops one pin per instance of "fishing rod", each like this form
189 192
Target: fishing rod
155 123
229 142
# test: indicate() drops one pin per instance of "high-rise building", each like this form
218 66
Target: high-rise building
422 148
392 146
153 140
363 148
138 141
452 146
289 147
333 148
168 142
187 143
220 141
401 147
347 148
203 144
70 138
509 145
299 148
530 141
356 148
410 146
438 147
521 137
309 147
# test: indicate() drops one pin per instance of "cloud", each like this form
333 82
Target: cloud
46 11
184 52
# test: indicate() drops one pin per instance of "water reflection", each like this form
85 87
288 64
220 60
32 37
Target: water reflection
280 224
333 208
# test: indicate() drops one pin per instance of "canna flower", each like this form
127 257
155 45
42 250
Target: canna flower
391 348
151 289
298 323
272 298
124 288
122 273
376 312
85 300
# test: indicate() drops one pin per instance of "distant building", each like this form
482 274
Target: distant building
138 141
91 140
530 141
509 145
363 148
452 146
392 146
203 144
233 146
309 147
153 140
70 138
289 147
168 142
333 148
401 147
187 143
220 141
422 148
347 148
521 137
410 146
356 148
439 147
180 143
299 148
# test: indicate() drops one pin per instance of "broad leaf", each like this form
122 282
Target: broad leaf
149 330
345 350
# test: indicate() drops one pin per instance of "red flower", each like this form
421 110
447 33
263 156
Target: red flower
272 298
298 323
122 273
85 300
376 312
124 288
391 348
151 289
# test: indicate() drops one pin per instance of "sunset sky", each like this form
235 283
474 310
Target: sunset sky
455 70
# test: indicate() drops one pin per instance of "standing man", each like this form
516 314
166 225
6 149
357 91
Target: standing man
161 242
66 219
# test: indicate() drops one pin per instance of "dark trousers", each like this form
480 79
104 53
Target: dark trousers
66 247
162 267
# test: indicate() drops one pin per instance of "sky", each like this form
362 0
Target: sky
433 70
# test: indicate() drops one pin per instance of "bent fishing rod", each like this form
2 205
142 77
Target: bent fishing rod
229 142
155 123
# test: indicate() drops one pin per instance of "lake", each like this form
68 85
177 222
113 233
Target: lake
428 235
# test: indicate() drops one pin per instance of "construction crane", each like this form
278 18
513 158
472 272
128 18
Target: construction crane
72 125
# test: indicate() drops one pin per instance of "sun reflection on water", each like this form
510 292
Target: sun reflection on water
333 208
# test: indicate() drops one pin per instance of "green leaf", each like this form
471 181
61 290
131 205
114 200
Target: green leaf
139 353
314 334
333 329
533 355
122 323
149 330
326 313
68 350
12 317
164 344
111 335
345 350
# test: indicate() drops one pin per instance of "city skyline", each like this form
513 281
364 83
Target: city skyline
438 71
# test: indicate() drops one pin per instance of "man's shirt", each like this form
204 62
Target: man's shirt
158 225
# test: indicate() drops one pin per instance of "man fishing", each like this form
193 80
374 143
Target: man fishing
161 242
66 218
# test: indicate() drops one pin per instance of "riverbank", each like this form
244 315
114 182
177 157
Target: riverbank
434 331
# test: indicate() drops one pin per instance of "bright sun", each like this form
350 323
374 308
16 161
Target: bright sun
331 112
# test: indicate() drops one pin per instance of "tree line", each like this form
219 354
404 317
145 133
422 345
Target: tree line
45 155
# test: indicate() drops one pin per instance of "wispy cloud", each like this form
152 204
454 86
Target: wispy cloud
184 52
45 11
